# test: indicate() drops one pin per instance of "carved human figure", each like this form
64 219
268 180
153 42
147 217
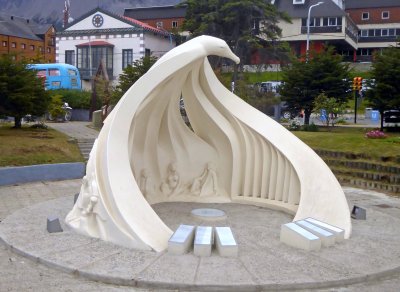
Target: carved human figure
206 184
145 183
172 182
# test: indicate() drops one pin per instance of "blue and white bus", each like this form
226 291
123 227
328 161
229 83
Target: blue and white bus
58 75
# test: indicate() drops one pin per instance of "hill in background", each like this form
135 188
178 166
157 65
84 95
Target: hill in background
51 11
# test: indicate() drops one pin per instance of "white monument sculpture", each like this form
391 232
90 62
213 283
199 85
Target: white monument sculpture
146 154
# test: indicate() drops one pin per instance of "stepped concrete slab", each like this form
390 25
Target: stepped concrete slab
263 263
296 236
203 241
225 243
182 240
327 238
339 233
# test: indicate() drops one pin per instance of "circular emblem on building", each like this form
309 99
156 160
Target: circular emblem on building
97 20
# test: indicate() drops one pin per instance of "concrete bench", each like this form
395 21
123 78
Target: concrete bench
296 236
225 242
203 241
327 238
339 233
182 240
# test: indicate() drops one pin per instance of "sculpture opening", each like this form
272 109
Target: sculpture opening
146 154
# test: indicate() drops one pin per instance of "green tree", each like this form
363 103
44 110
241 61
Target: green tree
304 81
130 75
21 92
243 24
385 89
331 105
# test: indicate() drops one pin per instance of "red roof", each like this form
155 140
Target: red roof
144 25
96 43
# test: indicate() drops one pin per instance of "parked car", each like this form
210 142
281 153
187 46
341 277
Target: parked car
270 86
391 116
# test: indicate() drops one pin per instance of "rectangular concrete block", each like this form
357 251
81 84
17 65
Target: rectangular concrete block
203 241
339 233
182 240
359 213
225 242
327 238
296 236
53 224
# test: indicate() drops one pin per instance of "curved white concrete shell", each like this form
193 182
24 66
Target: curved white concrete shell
146 154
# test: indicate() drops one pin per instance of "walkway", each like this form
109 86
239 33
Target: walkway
279 265
80 131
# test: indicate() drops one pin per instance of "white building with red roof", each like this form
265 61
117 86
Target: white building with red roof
117 40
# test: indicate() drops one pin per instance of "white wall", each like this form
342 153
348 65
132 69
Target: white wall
157 45
109 22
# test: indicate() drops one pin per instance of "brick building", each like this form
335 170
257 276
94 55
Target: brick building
378 23
27 39
169 18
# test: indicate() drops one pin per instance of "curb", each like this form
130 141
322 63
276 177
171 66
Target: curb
43 172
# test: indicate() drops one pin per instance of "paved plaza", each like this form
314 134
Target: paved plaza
372 255
368 261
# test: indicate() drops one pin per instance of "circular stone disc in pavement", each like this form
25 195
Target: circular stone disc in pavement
208 214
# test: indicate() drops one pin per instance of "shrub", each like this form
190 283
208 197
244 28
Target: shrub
375 134
310 128
294 125
341 121
75 98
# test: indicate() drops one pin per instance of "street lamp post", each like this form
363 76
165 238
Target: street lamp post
308 27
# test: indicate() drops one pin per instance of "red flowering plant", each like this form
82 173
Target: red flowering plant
375 134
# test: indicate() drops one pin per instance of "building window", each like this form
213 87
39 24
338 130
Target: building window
41 49
332 21
365 52
23 46
365 16
159 24
48 50
314 21
127 58
13 45
377 32
385 32
70 57
392 31
385 15
89 63
32 47
364 33
147 52
371 32
174 24
4 43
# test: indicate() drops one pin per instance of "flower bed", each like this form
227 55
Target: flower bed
375 134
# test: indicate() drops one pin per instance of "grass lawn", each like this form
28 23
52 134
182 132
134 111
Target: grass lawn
28 146
353 140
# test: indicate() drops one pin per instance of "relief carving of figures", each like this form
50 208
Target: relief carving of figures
145 183
206 184
171 185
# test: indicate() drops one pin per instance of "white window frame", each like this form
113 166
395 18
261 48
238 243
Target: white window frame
159 24
364 33
385 30
364 18
174 24
329 21
388 14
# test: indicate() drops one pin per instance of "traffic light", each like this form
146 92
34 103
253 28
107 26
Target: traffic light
357 83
